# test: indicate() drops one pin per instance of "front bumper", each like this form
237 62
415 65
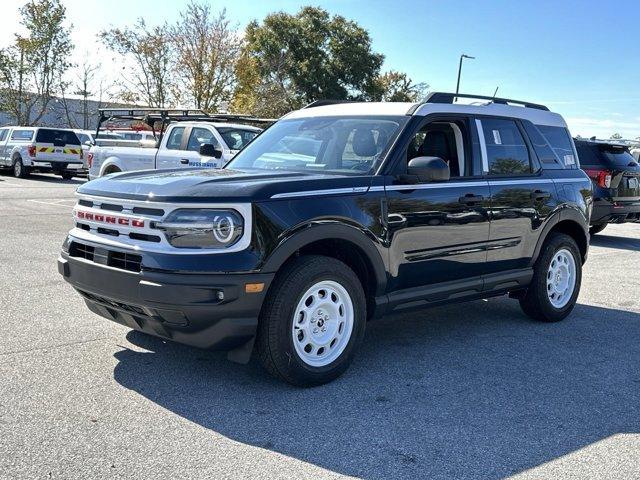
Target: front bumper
605 211
203 310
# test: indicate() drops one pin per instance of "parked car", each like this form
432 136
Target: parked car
337 214
26 149
615 175
179 147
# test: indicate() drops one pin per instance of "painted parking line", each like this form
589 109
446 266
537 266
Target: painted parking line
57 203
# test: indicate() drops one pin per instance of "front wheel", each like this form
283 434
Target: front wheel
312 322
66 175
556 280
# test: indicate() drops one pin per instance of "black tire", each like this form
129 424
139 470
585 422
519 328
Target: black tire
66 175
19 170
595 229
536 303
274 343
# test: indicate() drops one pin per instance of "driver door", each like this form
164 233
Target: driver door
439 231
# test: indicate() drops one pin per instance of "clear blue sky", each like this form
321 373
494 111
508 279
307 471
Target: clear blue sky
580 58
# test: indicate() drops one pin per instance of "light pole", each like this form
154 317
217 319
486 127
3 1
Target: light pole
462 57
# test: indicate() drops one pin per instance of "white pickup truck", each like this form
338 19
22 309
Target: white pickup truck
179 147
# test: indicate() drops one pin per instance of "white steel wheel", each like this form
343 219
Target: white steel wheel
322 323
561 278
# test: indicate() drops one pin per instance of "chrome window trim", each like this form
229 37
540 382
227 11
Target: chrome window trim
483 147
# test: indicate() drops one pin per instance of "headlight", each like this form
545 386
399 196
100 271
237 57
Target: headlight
202 228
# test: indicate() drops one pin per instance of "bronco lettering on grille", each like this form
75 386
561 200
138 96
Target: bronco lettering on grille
111 219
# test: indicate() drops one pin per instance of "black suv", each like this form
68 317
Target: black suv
337 214
615 174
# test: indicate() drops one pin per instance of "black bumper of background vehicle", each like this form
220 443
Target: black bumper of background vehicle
605 211
203 310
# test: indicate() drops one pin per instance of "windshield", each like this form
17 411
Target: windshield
237 138
322 144
83 137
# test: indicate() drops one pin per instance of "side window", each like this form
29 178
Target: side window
22 135
445 140
507 152
3 134
560 141
175 138
198 137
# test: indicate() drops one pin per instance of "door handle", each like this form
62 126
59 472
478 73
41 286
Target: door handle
470 199
184 161
539 195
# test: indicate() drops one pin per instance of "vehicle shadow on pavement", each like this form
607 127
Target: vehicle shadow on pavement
462 391
45 179
611 241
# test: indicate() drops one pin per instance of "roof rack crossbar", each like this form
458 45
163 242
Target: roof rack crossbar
444 97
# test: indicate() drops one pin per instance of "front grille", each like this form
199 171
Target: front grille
81 251
121 260
125 261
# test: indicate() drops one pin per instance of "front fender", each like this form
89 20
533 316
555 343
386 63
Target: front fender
303 235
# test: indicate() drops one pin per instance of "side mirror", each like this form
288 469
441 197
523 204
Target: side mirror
209 150
429 169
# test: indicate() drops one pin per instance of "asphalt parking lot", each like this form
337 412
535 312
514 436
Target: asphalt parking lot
465 391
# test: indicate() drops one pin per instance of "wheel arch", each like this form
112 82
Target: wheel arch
346 243
571 223
110 162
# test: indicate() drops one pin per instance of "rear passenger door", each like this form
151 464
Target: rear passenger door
522 195
171 149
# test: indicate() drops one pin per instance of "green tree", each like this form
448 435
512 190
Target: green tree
305 57
149 76
32 69
394 86
206 48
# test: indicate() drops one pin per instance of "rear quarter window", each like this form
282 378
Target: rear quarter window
560 141
22 135
57 137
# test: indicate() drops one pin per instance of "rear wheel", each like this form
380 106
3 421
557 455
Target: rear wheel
312 322
19 170
556 280
594 229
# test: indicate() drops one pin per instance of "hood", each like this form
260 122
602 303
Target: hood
225 185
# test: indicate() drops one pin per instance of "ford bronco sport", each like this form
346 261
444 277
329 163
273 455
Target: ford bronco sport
337 214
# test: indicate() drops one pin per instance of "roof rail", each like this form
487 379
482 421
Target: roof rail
320 103
443 97
148 115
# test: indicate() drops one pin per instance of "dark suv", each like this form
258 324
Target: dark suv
615 174
337 214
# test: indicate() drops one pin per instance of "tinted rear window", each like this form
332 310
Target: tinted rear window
57 137
598 154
